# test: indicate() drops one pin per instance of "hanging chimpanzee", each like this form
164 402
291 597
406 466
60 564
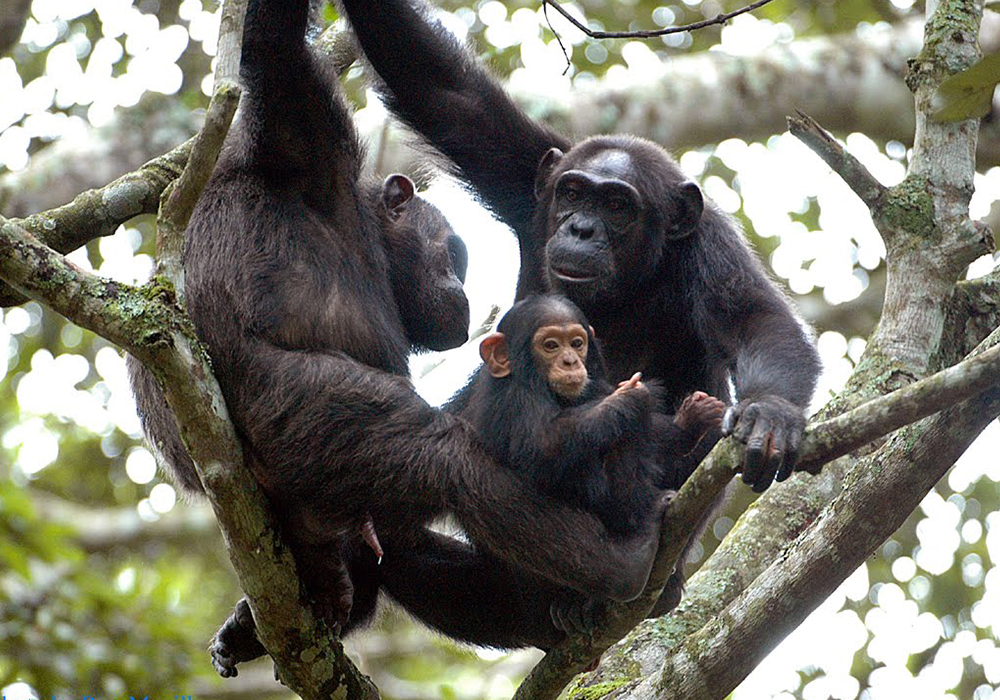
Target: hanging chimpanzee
612 223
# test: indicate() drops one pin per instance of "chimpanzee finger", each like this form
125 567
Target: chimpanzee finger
555 613
773 457
748 424
729 420
755 457
792 441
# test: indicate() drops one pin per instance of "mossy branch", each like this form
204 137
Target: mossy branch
100 212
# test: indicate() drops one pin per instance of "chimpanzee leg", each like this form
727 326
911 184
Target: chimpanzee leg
468 594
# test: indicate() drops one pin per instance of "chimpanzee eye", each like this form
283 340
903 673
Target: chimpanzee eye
577 343
550 344
571 194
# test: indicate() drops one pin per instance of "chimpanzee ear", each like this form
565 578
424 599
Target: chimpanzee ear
548 163
397 190
690 206
493 350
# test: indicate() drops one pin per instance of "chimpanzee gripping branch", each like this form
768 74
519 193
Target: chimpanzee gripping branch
801 539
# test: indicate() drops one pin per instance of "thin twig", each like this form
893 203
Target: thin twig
545 11
652 33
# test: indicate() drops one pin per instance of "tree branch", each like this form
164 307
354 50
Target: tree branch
100 212
856 175
886 492
721 18
823 442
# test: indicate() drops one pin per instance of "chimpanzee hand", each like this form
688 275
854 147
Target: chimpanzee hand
771 427
699 413
633 382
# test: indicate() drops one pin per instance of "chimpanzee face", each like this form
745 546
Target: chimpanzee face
427 266
610 209
560 352
593 214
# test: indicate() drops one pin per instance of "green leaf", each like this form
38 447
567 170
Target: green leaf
969 94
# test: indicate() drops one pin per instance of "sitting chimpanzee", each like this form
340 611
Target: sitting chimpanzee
611 222
544 409
289 286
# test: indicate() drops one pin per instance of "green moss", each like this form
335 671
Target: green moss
598 690
951 16
909 207
160 288
954 22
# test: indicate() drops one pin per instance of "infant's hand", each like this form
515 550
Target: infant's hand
629 384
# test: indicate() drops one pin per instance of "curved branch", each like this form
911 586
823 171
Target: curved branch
720 18
100 212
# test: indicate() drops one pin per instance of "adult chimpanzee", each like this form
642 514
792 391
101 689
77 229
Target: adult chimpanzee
544 409
288 286
427 266
612 223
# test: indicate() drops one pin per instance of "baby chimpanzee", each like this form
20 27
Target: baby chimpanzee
544 408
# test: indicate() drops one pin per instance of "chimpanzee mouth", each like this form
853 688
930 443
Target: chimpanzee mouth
572 276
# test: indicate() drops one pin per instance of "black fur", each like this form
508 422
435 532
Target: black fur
675 292
593 452
427 264
289 287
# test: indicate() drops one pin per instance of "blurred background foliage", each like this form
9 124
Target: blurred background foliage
109 586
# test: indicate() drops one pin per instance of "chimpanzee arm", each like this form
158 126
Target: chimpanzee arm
598 426
581 434
745 317
679 451
412 459
434 85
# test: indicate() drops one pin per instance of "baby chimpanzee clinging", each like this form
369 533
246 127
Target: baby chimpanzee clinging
544 408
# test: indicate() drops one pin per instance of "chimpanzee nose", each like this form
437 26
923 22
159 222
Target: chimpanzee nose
582 229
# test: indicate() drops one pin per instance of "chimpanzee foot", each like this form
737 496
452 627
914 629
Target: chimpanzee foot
575 614
235 642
